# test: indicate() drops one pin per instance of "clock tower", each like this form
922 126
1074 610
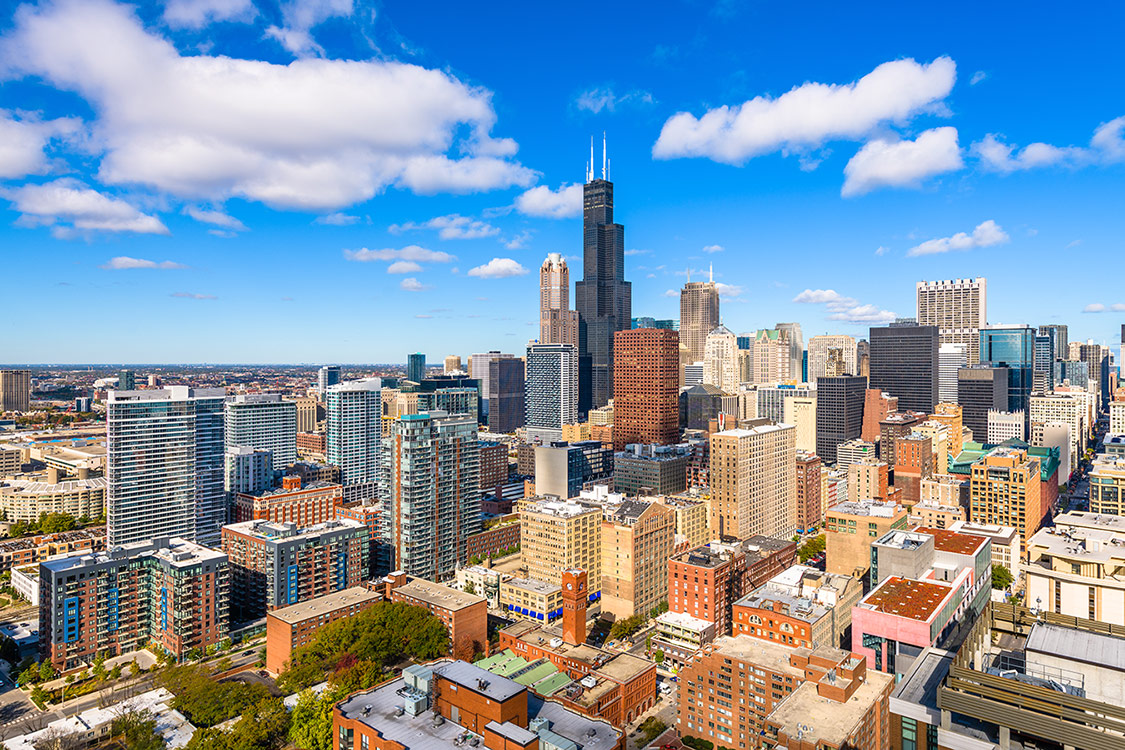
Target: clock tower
574 595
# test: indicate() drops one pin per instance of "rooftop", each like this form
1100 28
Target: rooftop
288 531
903 597
1086 646
765 654
867 508
752 431
560 508
946 540
822 720
684 620
37 487
531 584
280 491
799 608
437 595
325 604
177 552
1081 538
991 530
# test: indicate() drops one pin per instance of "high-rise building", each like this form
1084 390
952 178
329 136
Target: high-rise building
647 321
1060 342
850 528
720 360
877 406
646 376
306 413
603 297
479 369
164 452
951 358
1013 347
797 350
431 486
452 364
699 315
506 397
326 377
904 363
1074 372
556 536
771 399
819 347
1005 489
981 389
800 411
1043 370
1097 365
558 324
810 509
637 540
562 469
265 421
248 469
753 483
839 413
550 391
15 390
127 380
355 416
958 308
772 356
416 367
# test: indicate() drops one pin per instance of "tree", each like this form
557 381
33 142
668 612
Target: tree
136 730
811 548
660 609
29 674
659 658
9 651
1001 577
310 726
470 588
39 695
47 671
626 627
205 701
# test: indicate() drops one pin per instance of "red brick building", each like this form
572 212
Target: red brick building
465 616
305 505
31 549
504 535
646 386
312 442
810 510
292 627
914 461
877 406
493 466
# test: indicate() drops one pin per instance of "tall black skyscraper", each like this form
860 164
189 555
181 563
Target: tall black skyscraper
839 412
904 363
603 298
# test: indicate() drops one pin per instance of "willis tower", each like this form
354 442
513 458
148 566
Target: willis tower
603 298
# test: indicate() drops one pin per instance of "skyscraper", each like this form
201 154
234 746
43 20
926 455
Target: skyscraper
1060 341
550 390
1097 365
1014 347
720 360
558 324
479 370
951 358
959 309
1044 365
354 416
753 482
603 298
126 380
431 485
164 457
839 413
416 367
981 389
819 347
904 363
772 356
263 421
699 315
15 390
452 364
797 349
326 377
506 395
646 407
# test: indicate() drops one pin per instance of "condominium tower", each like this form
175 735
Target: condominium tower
164 451
959 309
355 413
558 324
699 315
264 422
327 376
15 390
551 390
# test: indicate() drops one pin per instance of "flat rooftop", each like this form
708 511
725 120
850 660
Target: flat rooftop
559 508
820 719
866 508
767 654
37 487
325 604
289 531
177 552
1098 649
437 595
903 597
797 607
951 541
533 585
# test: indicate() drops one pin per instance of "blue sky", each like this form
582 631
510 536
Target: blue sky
339 181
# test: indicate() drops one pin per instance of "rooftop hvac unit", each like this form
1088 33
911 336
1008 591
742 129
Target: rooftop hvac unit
415 704
588 681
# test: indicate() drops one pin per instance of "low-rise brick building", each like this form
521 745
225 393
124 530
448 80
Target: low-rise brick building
293 502
465 616
502 536
31 549
289 628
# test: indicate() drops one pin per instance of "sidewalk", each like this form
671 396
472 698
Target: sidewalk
144 658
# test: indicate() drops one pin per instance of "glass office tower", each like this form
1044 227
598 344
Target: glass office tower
1014 347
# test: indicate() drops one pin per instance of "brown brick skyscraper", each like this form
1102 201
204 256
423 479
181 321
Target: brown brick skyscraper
646 387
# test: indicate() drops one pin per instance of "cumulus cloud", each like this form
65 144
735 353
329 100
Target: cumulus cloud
498 268
809 115
67 205
986 234
404 266
23 143
124 263
713 248
195 14
671 293
216 218
728 291
519 242
1098 307
451 227
336 219
314 134
411 284
886 163
603 98
844 308
1107 146
192 295
410 252
300 17
564 203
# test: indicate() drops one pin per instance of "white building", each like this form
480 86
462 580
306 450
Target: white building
551 390
263 421
818 354
951 358
1007 547
959 309
1004 425
1072 567
720 360
355 429
1067 408
800 411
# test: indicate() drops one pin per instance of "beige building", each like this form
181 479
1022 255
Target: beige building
28 498
482 581
15 390
1107 485
557 536
819 347
1076 567
941 439
602 416
637 540
558 324
952 415
699 315
452 364
851 527
1006 490
306 413
753 482
1117 418
11 459
396 404
530 599
720 360
959 309
944 489
868 479
576 433
772 357
800 411
692 518
935 515
1069 408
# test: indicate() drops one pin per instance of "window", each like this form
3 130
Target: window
909 734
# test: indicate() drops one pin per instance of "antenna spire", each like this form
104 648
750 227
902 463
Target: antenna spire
689 274
590 164
603 155
711 274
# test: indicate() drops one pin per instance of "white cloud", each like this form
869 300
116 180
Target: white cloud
671 293
192 295
844 308
1098 307
336 219
882 250
635 251
217 218
979 76
124 262
808 115
68 205
313 134
597 99
410 252
986 234
411 284
1106 147
728 291
451 227
23 142
195 14
498 268
564 203
885 163
519 242
301 16
404 266
713 248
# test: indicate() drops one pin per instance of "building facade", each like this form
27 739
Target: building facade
958 308
558 324
637 540
904 362
550 390
839 413
699 315
753 484
646 387
355 427
263 421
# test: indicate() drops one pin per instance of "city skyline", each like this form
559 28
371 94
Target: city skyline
193 239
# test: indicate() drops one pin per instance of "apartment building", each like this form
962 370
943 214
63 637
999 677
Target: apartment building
289 628
293 502
637 541
800 607
1107 485
464 615
810 506
691 518
753 485
1006 489
1073 568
